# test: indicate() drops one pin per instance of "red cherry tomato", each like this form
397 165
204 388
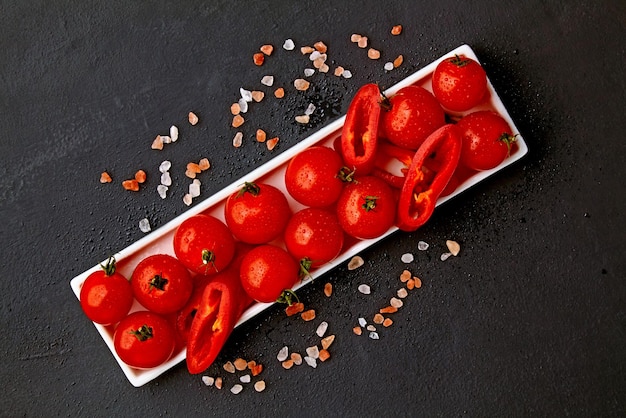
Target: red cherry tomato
161 283
257 213
106 296
314 177
366 208
204 244
144 340
410 116
487 140
314 237
266 271
459 83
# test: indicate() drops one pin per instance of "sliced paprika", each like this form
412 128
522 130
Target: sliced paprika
219 309
431 169
359 136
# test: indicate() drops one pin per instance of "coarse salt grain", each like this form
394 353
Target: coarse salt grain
165 166
240 364
324 355
304 119
287 364
301 84
162 190
324 68
238 139
261 136
370 328
245 94
204 164
245 378
362 42
192 118
268 80
296 358
308 72
422 245
157 143
194 188
243 106
313 351
378 318
279 93
327 341
362 322
445 256
365 289
174 133
387 322
347 74
309 109
321 329
105 177
257 95
357 330
339 71
320 46
407 258
235 109
398 61
405 276
289 45
355 262
166 179
396 30
259 386
267 49
208 380
283 354
144 225
187 199
229 367
308 315
355 37
396 303
258 58
218 382
166 139
306 50
402 293
453 247
374 335
388 66
310 361
328 289
238 120
236 389
373 54
271 143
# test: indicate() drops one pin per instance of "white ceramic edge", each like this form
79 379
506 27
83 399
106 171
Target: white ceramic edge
140 377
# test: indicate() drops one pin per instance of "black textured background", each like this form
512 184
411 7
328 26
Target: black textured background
529 320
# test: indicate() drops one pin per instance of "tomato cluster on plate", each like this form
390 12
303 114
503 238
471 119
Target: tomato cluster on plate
396 155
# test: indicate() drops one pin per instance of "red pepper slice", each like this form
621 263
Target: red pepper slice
432 168
387 153
359 135
223 302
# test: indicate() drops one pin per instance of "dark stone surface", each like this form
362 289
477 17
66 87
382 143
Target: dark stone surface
530 320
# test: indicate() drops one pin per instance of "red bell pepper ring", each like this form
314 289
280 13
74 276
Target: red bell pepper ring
432 168
223 302
359 135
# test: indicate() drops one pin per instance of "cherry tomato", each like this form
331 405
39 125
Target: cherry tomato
487 140
314 176
257 213
459 83
161 283
144 340
266 271
204 244
314 237
410 116
106 296
366 208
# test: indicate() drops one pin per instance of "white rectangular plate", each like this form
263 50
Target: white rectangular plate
160 240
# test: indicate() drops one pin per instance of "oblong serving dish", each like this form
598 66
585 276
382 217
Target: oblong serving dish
160 240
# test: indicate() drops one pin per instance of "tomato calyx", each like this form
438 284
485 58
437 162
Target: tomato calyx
508 140
288 296
249 187
305 267
459 61
158 282
346 174
143 333
109 266
370 203
208 259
